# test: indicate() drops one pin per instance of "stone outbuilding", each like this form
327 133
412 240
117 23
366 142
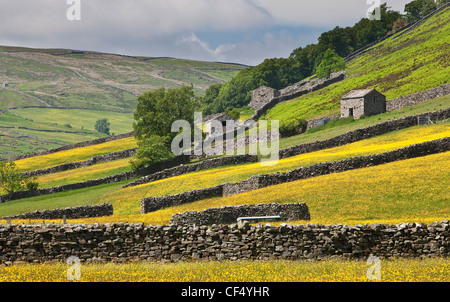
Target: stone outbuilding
221 117
262 96
365 102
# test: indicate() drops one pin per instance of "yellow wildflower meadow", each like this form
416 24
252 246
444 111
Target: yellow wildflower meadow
397 270
391 193
127 201
75 155
86 173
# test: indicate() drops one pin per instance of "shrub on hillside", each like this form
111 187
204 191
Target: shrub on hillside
12 181
293 127
331 62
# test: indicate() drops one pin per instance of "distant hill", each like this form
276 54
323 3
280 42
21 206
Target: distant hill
70 78
58 94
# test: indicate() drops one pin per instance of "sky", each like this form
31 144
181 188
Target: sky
237 31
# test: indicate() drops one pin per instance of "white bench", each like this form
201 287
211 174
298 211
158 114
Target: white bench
258 218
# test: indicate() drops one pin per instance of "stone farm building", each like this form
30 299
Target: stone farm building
262 96
221 117
360 102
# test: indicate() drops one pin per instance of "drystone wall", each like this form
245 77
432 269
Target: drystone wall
92 161
203 165
151 204
156 167
297 90
101 210
121 242
362 133
412 99
63 188
261 181
407 28
77 145
321 121
230 214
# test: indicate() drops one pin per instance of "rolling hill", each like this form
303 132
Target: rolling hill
402 191
59 94
405 63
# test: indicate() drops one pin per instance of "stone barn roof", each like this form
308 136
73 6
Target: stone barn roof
222 117
356 94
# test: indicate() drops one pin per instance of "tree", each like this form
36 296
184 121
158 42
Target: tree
331 62
151 149
234 113
102 126
401 22
418 9
155 113
302 62
12 181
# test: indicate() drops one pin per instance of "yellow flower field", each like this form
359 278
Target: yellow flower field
86 173
391 193
398 270
74 155
127 201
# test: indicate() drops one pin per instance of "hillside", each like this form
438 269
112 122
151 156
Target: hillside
403 64
98 85
372 187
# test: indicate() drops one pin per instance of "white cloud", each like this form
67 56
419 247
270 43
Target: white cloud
251 52
169 27
323 12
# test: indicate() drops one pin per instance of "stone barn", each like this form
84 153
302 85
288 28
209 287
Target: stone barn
262 96
221 117
365 102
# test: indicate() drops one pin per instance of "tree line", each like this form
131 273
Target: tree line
304 62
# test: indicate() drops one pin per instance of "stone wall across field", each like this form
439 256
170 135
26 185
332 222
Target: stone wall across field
415 98
122 242
68 187
96 182
92 161
298 90
151 204
101 210
77 145
203 165
261 181
362 133
230 214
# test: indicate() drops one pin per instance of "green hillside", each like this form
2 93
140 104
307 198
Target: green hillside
403 64
99 85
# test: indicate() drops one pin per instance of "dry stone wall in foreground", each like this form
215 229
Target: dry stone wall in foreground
121 242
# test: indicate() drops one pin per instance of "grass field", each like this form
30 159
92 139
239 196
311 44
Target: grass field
90 80
390 193
81 197
74 155
414 62
79 119
46 133
395 270
126 201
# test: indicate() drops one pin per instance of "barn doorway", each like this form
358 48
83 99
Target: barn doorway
350 112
